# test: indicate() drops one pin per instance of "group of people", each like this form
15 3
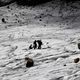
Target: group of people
36 44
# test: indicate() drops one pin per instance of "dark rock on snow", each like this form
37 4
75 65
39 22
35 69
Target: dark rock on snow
29 62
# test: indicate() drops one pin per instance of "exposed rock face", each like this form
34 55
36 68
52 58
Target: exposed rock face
31 2
23 2
5 2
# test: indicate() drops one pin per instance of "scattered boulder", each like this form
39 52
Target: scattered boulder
78 45
8 7
64 64
76 60
29 62
3 20
31 2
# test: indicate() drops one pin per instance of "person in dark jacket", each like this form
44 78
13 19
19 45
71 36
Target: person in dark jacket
30 47
35 44
39 44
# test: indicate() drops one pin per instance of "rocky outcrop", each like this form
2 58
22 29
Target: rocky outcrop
23 2
31 2
5 2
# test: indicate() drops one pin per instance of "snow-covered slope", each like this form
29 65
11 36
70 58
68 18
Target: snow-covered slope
55 61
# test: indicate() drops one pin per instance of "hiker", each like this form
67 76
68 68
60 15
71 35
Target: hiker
30 47
39 44
35 44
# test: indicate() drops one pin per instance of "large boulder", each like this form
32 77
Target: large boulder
5 2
